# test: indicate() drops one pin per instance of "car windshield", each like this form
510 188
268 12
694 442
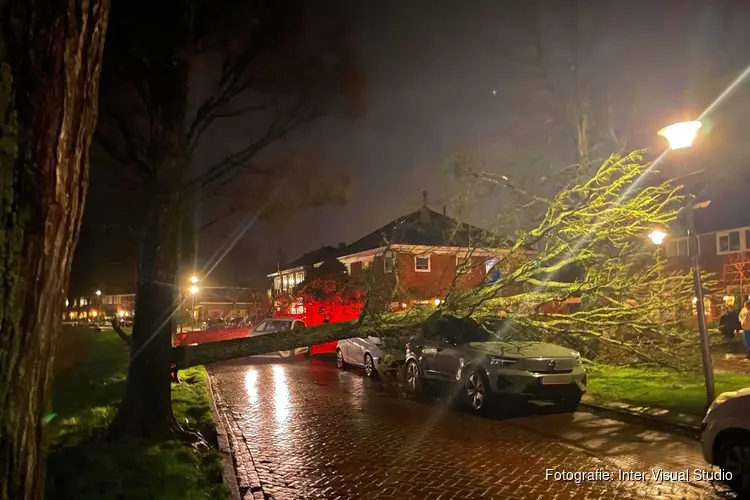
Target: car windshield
279 325
503 329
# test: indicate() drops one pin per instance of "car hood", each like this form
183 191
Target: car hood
514 349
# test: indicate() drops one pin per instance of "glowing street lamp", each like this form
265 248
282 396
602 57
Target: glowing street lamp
657 236
194 279
681 136
98 293
194 289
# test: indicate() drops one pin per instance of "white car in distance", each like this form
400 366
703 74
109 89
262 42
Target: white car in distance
725 438
367 353
275 325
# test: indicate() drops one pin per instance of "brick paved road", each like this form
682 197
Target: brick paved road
305 430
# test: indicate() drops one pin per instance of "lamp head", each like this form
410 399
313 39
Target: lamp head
681 135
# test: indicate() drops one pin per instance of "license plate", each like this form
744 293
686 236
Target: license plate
556 379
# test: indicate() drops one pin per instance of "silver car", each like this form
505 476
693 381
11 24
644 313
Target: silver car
487 367
275 325
368 353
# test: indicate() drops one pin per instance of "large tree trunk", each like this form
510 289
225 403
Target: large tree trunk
51 55
146 408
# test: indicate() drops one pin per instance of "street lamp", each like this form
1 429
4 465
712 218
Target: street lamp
681 136
657 236
194 279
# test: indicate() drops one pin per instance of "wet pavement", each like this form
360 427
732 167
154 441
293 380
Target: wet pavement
305 430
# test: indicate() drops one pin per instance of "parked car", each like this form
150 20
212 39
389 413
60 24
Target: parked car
275 325
725 438
367 353
213 324
493 366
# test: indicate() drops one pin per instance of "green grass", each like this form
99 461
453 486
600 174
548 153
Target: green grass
681 392
80 464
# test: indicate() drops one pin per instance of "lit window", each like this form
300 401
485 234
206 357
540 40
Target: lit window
277 283
285 282
422 264
365 264
348 267
300 277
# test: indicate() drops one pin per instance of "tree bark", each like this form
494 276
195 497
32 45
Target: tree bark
146 408
50 56
202 354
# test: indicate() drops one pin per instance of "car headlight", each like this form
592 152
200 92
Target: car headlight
503 362
577 356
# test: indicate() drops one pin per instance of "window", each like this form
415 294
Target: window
422 264
365 264
300 277
389 263
348 266
463 264
677 247
285 281
277 283
728 242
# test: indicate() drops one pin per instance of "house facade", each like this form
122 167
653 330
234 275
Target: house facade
724 253
425 253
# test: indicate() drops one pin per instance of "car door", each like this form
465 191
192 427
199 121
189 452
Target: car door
428 358
450 360
356 352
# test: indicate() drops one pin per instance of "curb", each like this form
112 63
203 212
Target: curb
228 475
668 424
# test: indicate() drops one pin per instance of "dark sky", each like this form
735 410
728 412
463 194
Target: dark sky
448 78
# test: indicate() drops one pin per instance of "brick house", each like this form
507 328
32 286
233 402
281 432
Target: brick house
424 250
723 251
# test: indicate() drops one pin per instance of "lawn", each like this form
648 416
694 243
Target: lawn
80 464
681 392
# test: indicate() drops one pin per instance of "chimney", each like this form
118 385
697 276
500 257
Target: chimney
425 212
342 245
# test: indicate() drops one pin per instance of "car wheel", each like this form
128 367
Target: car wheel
370 370
413 379
340 359
734 457
477 391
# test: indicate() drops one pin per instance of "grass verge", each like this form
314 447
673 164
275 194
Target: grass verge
81 465
680 392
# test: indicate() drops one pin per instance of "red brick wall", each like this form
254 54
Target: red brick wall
438 280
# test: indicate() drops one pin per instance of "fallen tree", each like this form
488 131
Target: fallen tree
593 248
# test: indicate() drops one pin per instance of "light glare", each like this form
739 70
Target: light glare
681 135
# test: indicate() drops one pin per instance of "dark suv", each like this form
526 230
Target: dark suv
488 366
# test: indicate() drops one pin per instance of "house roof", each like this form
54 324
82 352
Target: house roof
312 258
435 230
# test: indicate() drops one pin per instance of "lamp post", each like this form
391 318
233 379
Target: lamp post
99 299
681 136
194 291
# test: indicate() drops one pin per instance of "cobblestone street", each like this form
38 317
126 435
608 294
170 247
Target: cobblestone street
306 430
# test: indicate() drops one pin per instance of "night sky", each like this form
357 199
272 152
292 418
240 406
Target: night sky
447 79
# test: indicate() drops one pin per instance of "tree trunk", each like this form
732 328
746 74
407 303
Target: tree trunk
50 55
146 408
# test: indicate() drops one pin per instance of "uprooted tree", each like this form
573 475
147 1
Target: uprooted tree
50 55
590 245
278 66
